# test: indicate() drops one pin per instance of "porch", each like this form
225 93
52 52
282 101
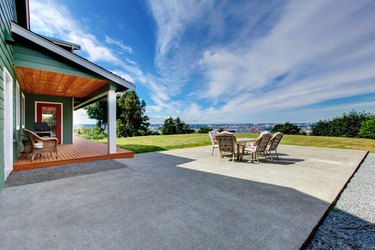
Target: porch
82 150
53 82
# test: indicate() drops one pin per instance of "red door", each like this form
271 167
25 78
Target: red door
51 114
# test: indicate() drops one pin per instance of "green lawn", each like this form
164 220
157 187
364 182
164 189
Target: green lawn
142 144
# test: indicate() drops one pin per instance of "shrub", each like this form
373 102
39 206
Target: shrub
204 130
347 125
94 133
189 131
97 133
286 128
154 133
322 128
368 129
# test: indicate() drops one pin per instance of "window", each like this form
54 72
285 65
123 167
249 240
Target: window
22 110
18 106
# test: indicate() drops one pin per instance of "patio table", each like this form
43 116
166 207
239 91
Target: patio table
241 142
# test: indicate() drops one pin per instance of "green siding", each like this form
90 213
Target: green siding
67 132
7 14
32 57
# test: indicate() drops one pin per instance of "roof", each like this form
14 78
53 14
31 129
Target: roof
75 59
64 44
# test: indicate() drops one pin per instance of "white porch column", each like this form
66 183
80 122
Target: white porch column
111 111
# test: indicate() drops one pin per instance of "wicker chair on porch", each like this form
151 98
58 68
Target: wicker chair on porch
39 145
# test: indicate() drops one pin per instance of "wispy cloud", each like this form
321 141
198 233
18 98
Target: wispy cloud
120 44
176 58
239 61
319 38
53 19
301 54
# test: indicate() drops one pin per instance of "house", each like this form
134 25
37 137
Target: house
41 78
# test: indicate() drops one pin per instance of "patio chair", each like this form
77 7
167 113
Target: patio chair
39 145
212 134
259 146
273 143
227 145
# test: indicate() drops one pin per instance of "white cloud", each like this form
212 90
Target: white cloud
172 18
53 19
173 60
273 60
323 50
124 75
118 43
80 117
259 60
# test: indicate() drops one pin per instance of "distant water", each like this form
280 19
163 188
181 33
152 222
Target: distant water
75 126
240 127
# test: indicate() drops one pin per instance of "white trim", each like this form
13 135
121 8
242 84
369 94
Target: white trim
8 122
90 100
70 56
111 110
72 46
18 106
23 117
62 117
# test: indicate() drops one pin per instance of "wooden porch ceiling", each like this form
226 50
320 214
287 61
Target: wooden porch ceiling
36 81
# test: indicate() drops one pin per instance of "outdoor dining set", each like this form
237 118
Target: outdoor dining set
229 145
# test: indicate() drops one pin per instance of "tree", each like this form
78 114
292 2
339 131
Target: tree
368 129
347 125
322 128
132 120
175 126
98 111
286 128
169 127
180 126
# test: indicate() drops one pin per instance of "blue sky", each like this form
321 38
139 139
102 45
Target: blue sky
212 61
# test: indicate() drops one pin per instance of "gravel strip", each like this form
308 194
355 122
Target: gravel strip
351 223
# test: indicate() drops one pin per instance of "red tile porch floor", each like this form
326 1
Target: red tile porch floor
82 150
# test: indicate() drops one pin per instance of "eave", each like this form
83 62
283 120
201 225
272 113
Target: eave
73 58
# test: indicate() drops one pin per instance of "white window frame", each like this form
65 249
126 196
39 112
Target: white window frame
18 106
8 122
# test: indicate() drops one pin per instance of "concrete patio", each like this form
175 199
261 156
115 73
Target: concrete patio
179 199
